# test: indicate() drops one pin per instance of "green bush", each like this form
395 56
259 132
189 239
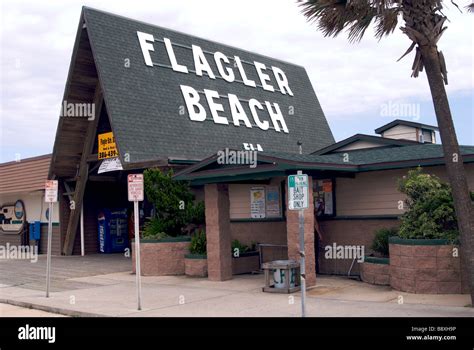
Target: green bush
198 243
430 210
380 242
154 229
173 202
242 248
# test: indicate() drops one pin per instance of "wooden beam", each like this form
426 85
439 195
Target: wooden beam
83 174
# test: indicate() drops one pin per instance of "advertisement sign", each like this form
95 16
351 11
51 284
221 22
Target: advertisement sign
106 146
273 201
257 202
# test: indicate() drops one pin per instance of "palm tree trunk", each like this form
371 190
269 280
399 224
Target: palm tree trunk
454 164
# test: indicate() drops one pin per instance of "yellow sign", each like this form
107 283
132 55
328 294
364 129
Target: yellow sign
107 146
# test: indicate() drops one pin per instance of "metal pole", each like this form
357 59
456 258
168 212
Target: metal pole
82 229
302 263
48 258
137 255
302 260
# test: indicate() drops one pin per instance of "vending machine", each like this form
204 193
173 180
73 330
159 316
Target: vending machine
113 230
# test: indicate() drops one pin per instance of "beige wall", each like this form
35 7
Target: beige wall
376 193
348 232
359 145
239 197
401 132
34 205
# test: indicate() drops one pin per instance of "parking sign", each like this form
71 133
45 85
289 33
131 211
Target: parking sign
297 192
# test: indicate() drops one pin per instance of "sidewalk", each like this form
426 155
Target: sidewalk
114 294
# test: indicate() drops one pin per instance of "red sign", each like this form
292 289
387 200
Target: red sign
51 191
135 187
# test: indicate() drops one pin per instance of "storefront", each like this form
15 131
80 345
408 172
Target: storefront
235 124
22 204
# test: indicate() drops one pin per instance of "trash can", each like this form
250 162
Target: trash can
281 276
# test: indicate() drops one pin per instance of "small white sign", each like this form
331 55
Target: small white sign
110 164
51 191
135 187
297 192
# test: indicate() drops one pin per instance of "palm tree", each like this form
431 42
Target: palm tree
423 23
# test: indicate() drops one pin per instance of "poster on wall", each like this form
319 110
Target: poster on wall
273 202
257 202
323 197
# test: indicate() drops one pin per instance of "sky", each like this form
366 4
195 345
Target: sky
360 86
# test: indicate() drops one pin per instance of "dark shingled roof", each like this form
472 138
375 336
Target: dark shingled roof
143 102
395 122
374 155
357 161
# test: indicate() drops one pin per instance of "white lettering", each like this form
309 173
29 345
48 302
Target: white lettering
238 112
282 81
214 107
226 73
253 103
276 116
174 63
263 76
144 39
200 62
191 97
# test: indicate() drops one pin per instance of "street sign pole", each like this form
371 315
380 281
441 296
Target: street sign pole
135 195
137 255
302 259
48 258
298 200
50 197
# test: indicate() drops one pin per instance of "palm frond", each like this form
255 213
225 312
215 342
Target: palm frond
333 16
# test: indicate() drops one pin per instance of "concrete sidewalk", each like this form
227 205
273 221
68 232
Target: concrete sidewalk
114 294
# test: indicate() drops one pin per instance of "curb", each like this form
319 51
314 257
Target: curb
55 310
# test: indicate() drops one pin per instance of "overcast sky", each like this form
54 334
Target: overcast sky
354 82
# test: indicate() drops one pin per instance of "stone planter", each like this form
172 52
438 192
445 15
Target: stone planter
162 257
195 265
245 263
426 266
375 271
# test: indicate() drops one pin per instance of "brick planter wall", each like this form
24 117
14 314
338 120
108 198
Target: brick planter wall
161 258
375 271
195 265
245 263
425 267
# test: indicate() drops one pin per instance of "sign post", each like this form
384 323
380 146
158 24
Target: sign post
298 200
135 195
50 197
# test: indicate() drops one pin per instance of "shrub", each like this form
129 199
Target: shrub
380 243
430 210
242 248
198 243
154 230
173 202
